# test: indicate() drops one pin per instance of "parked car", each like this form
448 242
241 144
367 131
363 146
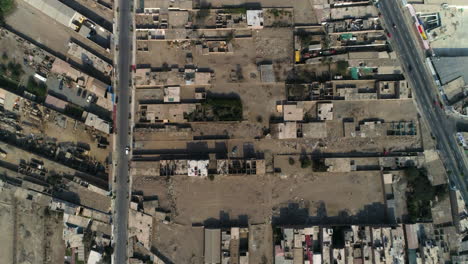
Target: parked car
78 93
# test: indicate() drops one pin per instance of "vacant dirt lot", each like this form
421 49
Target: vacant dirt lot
297 198
196 200
29 233
180 244
388 110
269 45
250 95
41 28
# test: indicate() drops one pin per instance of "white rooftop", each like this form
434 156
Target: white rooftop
255 18
198 168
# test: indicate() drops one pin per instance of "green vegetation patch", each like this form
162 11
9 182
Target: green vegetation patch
36 87
12 70
6 6
235 10
74 111
342 67
218 109
225 109
8 83
420 193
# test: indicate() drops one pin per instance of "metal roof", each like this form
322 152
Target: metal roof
212 246
56 10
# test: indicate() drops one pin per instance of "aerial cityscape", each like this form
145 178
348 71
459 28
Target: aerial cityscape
233 132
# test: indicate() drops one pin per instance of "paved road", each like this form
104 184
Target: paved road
404 41
121 189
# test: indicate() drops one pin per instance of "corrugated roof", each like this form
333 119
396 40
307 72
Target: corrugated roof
212 246
56 10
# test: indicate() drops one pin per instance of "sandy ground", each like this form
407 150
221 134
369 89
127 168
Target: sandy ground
272 45
389 110
261 197
90 198
77 134
31 22
180 244
29 234
250 94
298 198
303 9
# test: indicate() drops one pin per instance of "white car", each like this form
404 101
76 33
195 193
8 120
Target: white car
127 150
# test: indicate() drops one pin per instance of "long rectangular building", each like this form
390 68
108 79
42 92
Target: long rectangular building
56 10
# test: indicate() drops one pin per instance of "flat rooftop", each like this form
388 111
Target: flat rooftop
450 68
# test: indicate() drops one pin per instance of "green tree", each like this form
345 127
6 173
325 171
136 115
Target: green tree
6 6
421 193
15 69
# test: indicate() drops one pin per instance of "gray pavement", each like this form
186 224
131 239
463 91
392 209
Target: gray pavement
405 42
121 186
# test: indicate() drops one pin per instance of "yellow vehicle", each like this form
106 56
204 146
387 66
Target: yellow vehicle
297 56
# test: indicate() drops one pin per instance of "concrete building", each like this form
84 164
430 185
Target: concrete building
62 67
286 130
325 111
94 257
166 113
198 168
267 74
55 103
454 89
212 249
86 57
97 123
240 166
255 18
293 112
172 94
140 225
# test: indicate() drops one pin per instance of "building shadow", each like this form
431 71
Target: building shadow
225 221
295 214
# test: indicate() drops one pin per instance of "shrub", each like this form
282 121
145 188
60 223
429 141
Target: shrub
16 70
225 109
305 162
259 118
319 165
291 161
342 67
